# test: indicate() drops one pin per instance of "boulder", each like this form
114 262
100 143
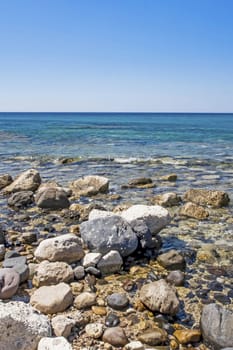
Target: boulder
160 296
21 326
155 216
21 199
66 248
49 273
109 233
168 199
29 180
58 343
9 283
90 185
172 260
217 326
52 299
215 199
194 211
110 263
5 180
52 198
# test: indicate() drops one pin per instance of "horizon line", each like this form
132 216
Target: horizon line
107 112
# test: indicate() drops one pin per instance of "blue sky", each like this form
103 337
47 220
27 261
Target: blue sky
116 55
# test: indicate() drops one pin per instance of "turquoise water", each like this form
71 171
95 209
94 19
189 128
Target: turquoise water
208 136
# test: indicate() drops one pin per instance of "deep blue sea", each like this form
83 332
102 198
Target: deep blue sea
65 146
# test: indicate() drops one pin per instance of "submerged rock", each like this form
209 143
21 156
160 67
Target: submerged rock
194 211
21 199
168 199
172 260
215 199
5 180
52 198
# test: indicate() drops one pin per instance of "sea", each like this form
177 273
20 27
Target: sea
121 146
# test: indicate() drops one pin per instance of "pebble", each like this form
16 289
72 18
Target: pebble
112 320
118 301
79 272
186 336
115 336
85 300
94 330
153 337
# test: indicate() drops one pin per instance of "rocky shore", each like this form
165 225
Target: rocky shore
81 269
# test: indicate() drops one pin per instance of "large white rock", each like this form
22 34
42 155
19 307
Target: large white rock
49 273
61 248
29 180
21 326
90 185
58 343
154 216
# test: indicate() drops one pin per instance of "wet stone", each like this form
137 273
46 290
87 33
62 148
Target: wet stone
112 320
172 260
176 278
117 301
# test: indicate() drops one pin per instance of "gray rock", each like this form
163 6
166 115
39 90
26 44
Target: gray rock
160 296
21 326
49 273
67 247
109 233
2 251
52 198
172 260
90 185
29 180
154 216
93 271
52 299
79 272
62 325
217 326
143 233
21 199
91 259
5 180
2 235
13 254
9 283
110 263
176 278
58 343
117 301
168 199
19 265
98 213
115 336
29 237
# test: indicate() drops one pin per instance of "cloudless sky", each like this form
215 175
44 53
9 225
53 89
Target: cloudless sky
116 55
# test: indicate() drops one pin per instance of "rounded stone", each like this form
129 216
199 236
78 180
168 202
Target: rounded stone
9 283
94 330
112 320
176 277
49 273
118 301
85 300
115 336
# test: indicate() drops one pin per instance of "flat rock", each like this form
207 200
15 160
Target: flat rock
168 199
52 299
90 185
21 326
5 180
160 296
118 301
52 198
215 199
21 199
66 248
58 343
171 260
155 216
217 326
29 180
62 325
194 211
49 273
115 336
85 300
9 283
109 233
155 336
186 336
110 263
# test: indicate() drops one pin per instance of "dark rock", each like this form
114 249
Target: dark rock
143 233
217 326
109 233
117 301
21 199
112 320
224 299
5 180
176 277
172 260
29 237
93 271
12 254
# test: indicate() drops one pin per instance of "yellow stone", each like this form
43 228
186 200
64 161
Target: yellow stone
185 336
99 310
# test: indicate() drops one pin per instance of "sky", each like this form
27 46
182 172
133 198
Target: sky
116 55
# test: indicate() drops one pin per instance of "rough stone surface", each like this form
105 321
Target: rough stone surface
79 272
19 265
115 336
58 343
21 326
90 185
62 325
94 330
110 263
52 299
85 300
62 248
91 259
169 199
117 301
5 180
109 233
9 283
194 211
171 260
49 273
97 213
160 296
21 199
29 180
155 336
186 336
143 233
217 326
204 197
155 216
52 198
